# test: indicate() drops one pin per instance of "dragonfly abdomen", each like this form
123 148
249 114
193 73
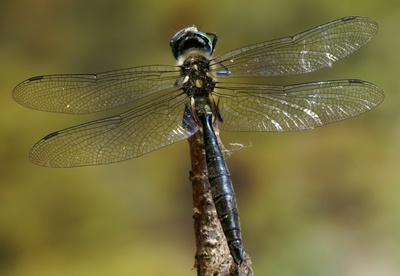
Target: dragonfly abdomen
222 190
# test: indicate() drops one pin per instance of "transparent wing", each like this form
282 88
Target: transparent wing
246 107
78 94
141 130
302 53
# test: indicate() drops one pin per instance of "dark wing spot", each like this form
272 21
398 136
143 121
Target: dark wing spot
35 78
50 135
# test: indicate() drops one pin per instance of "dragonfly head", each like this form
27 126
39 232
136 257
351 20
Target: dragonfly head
189 39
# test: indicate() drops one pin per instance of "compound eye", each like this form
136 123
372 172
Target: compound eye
188 39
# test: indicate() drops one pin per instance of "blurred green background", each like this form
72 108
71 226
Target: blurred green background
322 202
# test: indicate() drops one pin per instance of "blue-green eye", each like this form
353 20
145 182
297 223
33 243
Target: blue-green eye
190 38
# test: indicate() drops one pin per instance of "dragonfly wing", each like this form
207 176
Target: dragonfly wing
247 107
79 93
146 128
302 53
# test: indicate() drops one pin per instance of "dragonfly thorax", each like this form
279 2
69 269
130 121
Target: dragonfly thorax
198 84
197 80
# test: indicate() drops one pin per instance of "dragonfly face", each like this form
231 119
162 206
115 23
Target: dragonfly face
189 39
171 103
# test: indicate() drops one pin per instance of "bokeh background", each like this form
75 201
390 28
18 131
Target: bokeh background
322 202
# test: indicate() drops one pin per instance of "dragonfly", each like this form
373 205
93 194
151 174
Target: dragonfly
169 103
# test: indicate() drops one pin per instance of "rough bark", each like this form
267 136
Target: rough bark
212 252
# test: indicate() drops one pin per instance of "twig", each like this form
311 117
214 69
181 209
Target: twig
212 252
